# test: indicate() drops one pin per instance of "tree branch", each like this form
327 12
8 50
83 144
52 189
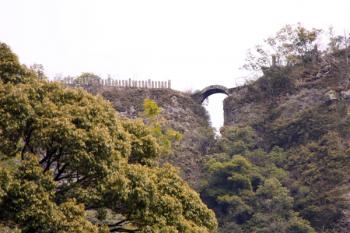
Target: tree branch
26 143
122 230
60 171
118 223
117 227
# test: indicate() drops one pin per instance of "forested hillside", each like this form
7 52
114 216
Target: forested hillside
284 158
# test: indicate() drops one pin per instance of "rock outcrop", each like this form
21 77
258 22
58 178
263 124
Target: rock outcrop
182 113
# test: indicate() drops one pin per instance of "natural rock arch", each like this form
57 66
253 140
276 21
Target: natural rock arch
208 91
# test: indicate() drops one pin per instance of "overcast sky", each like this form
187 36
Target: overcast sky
193 43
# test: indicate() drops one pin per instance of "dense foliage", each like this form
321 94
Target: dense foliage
245 186
67 159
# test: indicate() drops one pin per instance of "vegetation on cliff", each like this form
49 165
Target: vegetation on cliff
246 186
283 160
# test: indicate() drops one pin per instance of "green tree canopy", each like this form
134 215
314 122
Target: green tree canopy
64 151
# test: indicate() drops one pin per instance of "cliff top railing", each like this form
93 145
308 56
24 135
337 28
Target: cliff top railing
109 82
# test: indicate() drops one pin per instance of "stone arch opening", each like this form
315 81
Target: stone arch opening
210 90
216 116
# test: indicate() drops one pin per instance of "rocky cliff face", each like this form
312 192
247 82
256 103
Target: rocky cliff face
298 106
182 113
282 97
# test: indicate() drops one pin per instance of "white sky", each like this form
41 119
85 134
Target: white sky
193 43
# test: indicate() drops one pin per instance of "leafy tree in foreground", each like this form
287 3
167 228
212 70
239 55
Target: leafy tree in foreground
28 200
67 151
